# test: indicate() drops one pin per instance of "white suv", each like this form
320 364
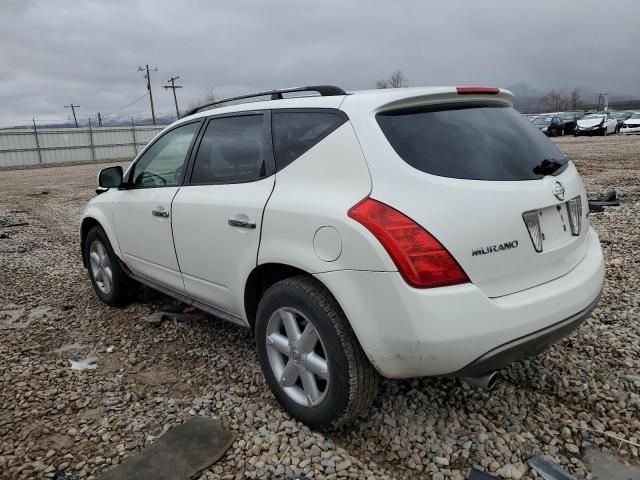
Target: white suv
403 232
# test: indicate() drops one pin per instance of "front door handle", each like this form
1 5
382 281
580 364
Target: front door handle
234 222
160 213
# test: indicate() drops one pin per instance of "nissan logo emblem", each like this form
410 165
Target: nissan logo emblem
558 190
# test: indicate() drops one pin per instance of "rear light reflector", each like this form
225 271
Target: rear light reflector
574 206
478 90
421 259
532 221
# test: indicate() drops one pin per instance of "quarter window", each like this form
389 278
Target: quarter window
163 163
296 132
232 150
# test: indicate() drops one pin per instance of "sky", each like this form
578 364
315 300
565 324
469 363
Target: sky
88 52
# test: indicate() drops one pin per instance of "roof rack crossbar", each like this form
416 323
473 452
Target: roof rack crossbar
323 90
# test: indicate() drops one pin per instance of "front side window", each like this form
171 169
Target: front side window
296 132
162 164
232 150
475 143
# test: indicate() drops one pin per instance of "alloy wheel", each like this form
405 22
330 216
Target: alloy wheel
101 268
297 357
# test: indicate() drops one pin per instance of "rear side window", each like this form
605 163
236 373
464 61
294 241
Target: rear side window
231 151
296 132
476 143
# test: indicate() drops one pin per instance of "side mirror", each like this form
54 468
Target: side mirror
110 177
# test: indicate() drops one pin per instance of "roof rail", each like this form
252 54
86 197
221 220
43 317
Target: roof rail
323 90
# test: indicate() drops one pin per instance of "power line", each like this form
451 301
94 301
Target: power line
73 109
173 87
148 77
127 105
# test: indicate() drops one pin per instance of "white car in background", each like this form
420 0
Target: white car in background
602 123
401 232
631 124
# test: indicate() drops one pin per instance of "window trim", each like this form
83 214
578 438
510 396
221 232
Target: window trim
127 185
335 111
266 139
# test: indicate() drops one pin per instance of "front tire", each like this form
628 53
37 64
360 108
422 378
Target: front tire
309 355
109 281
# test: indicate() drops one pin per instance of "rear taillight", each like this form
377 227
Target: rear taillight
478 90
532 221
420 258
574 206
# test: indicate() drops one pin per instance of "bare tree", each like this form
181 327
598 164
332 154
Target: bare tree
207 98
396 80
554 101
575 99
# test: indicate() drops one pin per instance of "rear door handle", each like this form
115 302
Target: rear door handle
234 222
160 213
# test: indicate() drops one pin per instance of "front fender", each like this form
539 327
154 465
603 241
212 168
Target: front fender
100 211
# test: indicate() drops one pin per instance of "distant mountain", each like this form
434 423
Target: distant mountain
524 90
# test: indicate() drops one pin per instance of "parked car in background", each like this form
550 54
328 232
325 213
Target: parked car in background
569 122
551 125
601 123
621 117
631 124
403 232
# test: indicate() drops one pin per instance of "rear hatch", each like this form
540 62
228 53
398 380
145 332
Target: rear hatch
496 192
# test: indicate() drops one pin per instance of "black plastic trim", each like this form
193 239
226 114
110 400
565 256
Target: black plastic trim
323 90
526 346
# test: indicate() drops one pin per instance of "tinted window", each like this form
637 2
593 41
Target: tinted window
479 143
163 162
296 132
231 150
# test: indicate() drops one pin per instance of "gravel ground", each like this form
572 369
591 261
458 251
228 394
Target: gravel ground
147 379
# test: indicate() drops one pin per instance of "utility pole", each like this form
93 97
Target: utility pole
173 87
148 77
73 109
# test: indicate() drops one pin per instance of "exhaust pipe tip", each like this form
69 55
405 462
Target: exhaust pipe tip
487 381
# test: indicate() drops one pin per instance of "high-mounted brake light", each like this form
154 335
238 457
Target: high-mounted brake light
478 90
420 258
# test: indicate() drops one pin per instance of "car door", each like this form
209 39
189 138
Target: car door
142 209
217 215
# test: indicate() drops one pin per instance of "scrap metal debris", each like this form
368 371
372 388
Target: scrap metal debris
609 200
548 469
187 315
179 454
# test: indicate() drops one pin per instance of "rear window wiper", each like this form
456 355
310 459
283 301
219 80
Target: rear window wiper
547 166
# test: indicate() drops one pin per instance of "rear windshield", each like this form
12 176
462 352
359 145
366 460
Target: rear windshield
476 143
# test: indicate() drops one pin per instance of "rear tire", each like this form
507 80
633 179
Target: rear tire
324 382
109 281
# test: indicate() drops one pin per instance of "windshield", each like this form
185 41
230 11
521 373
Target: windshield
542 120
594 115
476 143
635 116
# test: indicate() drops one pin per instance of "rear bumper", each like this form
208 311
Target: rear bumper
458 330
527 346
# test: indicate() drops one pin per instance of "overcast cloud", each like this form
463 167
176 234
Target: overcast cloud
56 52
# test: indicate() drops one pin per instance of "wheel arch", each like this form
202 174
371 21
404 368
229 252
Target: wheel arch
264 276
93 220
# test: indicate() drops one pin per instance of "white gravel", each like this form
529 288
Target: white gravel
149 378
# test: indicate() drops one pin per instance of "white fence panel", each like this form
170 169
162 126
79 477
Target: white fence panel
49 146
